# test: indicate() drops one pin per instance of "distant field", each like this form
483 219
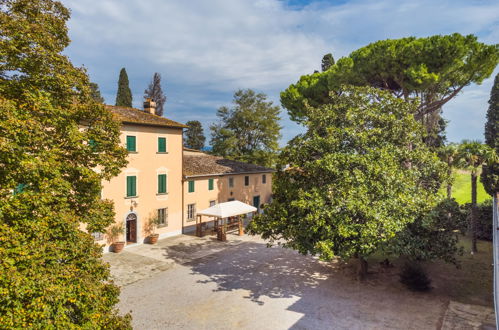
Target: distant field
461 188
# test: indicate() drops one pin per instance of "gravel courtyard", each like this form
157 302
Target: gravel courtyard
187 282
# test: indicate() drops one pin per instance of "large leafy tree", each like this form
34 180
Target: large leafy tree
350 183
472 156
155 92
490 173
124 94
194 135
249 131
434 69
51 272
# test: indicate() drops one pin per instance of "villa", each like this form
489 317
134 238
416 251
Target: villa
166 181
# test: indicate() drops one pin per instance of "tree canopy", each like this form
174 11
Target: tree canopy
351 182
434 69
51 272
155 92
124 94
194 135
490 173
95 93
249 131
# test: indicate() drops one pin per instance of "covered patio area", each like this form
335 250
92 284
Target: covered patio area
225 216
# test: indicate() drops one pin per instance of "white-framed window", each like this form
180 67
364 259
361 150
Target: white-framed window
97 236
163 217
191 211
213 203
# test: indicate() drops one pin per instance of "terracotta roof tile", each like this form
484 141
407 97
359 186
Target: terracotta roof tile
136 116
203 164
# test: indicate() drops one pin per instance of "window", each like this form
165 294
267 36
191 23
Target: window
246 180
230 199
131 144
131 186
264 179
163 217
97 236
191 211
212 203
210 184
231 182
161 183
191 186
92 144
161 144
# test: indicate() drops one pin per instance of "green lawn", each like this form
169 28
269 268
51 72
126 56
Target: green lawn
461 188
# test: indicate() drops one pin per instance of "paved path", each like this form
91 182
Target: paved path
191 283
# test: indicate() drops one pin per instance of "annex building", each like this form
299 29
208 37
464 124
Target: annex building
164 180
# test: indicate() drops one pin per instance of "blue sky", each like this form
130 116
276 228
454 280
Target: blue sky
207 49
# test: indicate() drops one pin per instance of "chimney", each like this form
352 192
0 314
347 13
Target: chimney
150 106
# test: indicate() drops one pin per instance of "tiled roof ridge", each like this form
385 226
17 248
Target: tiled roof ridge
137 116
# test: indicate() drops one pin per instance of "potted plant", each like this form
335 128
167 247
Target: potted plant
114 233
151 226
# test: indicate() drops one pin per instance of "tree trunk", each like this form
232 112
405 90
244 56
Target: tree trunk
449 183
473 213
362 273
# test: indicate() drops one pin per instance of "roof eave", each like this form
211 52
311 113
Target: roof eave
228 173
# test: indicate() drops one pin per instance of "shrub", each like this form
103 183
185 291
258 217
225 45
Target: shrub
414 277
484 219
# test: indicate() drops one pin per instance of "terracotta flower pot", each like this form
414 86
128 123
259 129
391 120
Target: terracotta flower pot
153 239
118 246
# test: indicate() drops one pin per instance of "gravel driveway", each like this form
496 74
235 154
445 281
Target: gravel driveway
193 283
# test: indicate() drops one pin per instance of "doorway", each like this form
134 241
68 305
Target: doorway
131 228
256 202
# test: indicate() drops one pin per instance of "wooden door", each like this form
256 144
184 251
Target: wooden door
131 228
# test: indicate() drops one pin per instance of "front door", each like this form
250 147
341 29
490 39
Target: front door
131 228
256 202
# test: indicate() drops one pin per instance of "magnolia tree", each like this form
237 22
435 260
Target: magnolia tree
355 179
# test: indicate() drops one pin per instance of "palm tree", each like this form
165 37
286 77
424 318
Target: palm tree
449 154
472 155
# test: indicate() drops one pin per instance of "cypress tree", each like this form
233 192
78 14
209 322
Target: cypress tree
155 92
490 173
95 93
124 95
327 61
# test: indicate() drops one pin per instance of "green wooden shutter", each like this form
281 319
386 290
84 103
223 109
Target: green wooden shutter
210 184
161 144
191 186
162 184
131 143
131 186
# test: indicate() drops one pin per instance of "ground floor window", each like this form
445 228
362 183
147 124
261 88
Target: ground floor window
191 211
97 236
230 199
163 217
212 203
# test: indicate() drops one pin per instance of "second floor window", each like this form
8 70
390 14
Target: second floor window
264 179
231 182
131 143
210 184
161 144
162 184
246 180
191 186
131 186
191 211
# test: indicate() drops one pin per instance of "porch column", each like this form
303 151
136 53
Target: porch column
198 225
241 228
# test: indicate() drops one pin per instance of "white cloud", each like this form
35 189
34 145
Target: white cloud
207 49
